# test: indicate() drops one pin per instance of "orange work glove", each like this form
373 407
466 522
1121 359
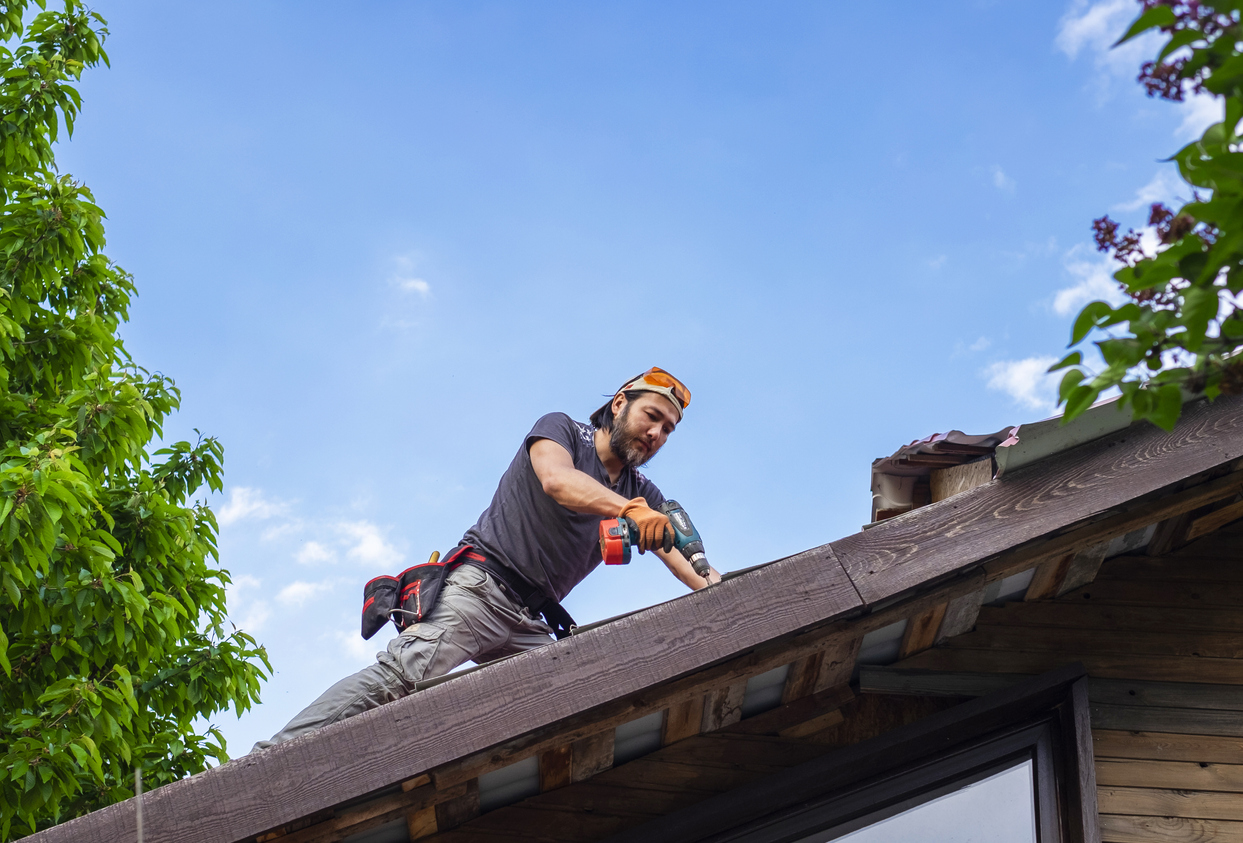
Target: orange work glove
654 527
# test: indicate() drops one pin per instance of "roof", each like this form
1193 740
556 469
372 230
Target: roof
529 703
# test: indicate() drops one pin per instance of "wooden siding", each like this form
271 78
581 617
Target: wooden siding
1162 638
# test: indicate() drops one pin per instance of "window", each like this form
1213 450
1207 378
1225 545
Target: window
1025 751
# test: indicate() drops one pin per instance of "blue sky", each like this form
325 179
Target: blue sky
375 242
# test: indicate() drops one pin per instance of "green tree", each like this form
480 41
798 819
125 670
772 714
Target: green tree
1180 329
112 612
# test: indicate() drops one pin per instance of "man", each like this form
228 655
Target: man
537 540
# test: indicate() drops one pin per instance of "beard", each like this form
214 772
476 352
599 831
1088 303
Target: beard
623 441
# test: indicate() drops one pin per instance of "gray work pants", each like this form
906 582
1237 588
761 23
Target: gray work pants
475 618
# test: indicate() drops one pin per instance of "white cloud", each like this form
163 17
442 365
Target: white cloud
299 592
1093 25
938 261
415 285
247 611
1027 381
1094 281
1000 180
981 344
368 545
1199 112
245 502
1164 187
1094 28
313 552
256 615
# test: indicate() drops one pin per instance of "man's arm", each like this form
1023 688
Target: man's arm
680 568
573 489
581 492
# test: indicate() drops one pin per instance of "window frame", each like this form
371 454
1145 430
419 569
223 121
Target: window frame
1045 719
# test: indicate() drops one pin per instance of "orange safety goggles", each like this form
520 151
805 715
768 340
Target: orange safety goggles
658 380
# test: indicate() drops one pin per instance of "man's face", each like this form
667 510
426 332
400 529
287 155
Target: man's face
641 426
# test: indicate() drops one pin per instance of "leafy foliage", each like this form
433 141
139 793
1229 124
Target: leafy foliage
1180 328
112 614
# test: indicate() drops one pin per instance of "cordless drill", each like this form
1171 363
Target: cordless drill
618 534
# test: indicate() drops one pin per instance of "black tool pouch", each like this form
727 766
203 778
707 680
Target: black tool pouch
419 586
379 599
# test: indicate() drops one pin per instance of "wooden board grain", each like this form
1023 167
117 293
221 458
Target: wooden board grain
1177 775
591 755
960 615
723 706
921 630
1170 593
946 482
1055 494
1131 829
556 767
682 720
1088 616
1154 802
1214 520
1190 721
1048 578
802 678
1193 568
1107 665
1161 746
1225 645
1084 566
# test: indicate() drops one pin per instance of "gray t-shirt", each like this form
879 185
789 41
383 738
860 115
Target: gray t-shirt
523 528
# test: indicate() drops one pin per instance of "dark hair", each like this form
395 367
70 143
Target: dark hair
602 419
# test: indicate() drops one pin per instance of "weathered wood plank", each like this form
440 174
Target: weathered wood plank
723 706
1176 775
1167 694
1049 576
1225 645
464 808
591 755
1106 665
1172 593
1191 568
1191 721
1170 535
838 664
869 715
1154 802
682 720
1215 520
960 615
1219 701
1060 492
421 823
887 679
1088 616
376 812
921 630
1127 829
801 680
944 483
785 717
722 749
556 767
1084 566
1157 746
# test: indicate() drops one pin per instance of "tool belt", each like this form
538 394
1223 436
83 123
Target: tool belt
409 597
